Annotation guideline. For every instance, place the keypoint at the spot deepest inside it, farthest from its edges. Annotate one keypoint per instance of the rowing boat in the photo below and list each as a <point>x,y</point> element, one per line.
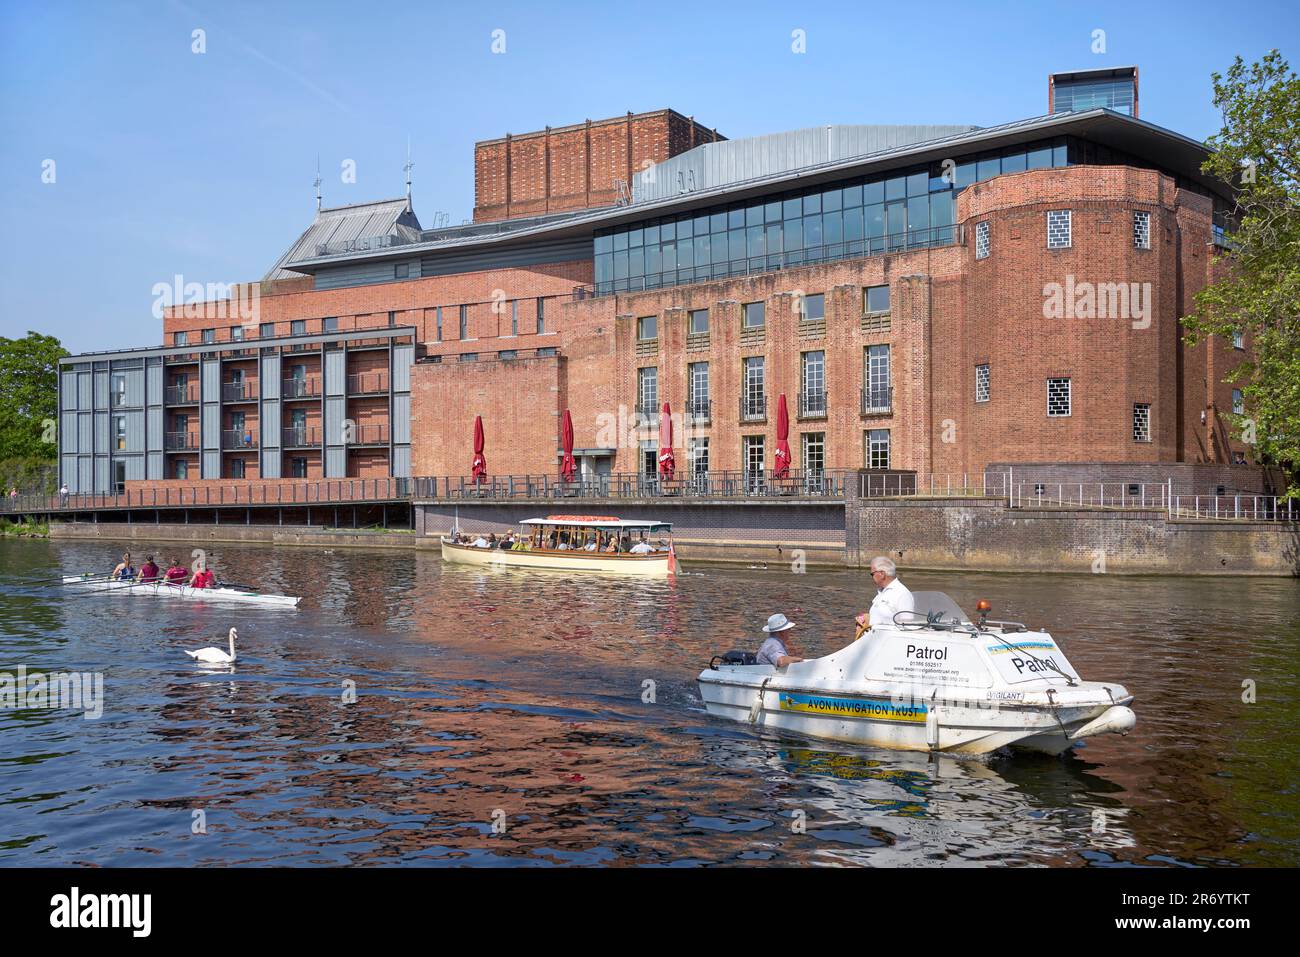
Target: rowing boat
<point>163,590</point>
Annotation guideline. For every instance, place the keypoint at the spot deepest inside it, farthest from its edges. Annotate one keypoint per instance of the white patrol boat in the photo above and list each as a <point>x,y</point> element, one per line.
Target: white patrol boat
<point>931,681</point>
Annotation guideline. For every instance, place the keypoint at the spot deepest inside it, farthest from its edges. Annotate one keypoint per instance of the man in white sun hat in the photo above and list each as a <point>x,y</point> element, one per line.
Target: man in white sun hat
<point>774,651</point>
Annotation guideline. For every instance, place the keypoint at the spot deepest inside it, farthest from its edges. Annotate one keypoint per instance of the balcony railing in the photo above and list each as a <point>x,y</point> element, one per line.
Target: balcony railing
<point>180,441</point>
<point>367,435</point>
<point>238,439</point>
<point>753,408</point>
<point>300,437</point>
<point>699,410</point>
<point>181,394</point>
<point>238,392</point>
<point>877,401</point>
<point>368,383</point>
<point>720,484</point>
<point>300,388</point>
<point>812,405</point>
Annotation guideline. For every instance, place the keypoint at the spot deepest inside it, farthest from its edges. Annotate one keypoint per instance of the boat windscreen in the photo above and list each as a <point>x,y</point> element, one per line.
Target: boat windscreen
<point>926,602</point>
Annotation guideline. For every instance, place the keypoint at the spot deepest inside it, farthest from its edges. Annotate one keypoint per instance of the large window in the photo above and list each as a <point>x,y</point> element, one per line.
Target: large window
<point>698,455</point>
<point>266,329</point>
<point>755,315</point>
<point>982,240</point>
<point>297,467</point>
<point>180,339</point>
<point>235,469</point>
<point>812,395</point>
<point>982,383</point>
<point>118,389</point>
<point>329,324</point>
<point>119,432</point>
<point>697,382</point>
<point>861,216</point>
<point>699,321</point>
<point>209,335</point>
<point>1058,229</point>
<point>814,452</point>
<point>1058,397</point>
<point>1142,229</point>
<point>876,393</point>
<point>647,389</point>
<point>1142,422</point>
<point>647,327</point>
<point>755,450</point>
<point>297,327</point>
<point>753,399</point>
<point>876,448</point>
<point>875,299</point>
<point>813,308</point>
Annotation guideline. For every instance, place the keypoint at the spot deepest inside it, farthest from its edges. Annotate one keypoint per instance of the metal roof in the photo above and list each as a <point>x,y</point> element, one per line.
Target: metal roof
<point>1163,147</point>
<point>358,224</point>
<point>711,165</point>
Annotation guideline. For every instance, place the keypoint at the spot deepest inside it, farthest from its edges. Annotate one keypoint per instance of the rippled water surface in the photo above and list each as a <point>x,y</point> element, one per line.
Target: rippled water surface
<point>515,698</point>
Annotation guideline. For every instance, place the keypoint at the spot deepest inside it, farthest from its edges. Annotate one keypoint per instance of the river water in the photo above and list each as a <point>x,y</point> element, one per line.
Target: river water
<point>500,719</point>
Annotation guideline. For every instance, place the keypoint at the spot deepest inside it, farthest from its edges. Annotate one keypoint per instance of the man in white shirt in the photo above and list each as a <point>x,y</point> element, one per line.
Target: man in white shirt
<point>892,595</point>
<point>480,542</point>
<point>642,548</point>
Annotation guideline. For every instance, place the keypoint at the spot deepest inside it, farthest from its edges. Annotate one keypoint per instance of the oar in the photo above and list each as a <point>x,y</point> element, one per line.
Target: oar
<point>57,581</point>
<point>100,591</point>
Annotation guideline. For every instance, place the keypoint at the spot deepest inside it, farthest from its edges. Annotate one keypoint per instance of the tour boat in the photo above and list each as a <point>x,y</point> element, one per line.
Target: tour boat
<point>557,542</point>
<point>931,681</point>
<point>226,593</point>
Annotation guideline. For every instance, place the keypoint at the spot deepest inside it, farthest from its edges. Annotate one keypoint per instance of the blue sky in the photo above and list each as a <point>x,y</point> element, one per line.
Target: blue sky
<point>168,161</point>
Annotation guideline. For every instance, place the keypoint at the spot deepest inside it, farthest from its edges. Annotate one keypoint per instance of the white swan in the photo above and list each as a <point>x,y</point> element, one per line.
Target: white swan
<point>215,655</point>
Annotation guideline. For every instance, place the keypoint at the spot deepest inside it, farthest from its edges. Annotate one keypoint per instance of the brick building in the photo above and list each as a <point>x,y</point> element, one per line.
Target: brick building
<point>935,298</point>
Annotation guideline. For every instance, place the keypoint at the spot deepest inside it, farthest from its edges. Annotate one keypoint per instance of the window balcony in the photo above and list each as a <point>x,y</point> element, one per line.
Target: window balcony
<point>878,401</point>
<point>181,441</point>
<point>368,383</point>
<point>369,435</point>
<point>234,439</point>
<point>300,437</point>
<point>238,392</point>
<point>753,407</point>
<point>649,409</point>
<point>181,395</point>
<point>300,388</point>
<point>812,405</point>
<point>699,410</point>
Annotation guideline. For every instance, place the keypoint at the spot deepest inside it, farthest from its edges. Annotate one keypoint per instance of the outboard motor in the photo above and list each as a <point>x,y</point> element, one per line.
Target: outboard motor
<point>734,657</point>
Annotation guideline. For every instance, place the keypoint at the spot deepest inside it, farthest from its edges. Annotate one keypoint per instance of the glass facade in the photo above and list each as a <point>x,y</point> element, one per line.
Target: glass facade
<point>1111,93</point>
<point>863,216</point>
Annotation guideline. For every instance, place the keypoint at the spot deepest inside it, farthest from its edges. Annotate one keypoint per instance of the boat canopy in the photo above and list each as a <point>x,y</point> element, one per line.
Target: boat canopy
<point>601,521</point>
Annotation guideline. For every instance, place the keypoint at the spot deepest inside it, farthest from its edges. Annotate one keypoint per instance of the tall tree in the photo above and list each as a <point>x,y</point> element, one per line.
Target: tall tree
<point>1258,151</point>
<point>29,369</point>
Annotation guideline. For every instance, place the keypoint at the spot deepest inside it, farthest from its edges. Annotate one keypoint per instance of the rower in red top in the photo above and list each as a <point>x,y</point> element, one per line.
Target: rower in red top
<point>203,579</point>
<point>176,573</point>
<point>149,572</point>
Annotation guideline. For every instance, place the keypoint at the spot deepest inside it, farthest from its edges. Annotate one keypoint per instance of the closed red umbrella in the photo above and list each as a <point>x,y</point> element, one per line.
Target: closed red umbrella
<point>667,465</point>
<point>782,469</point>
<point>568,467</point>
<point>480,464</point>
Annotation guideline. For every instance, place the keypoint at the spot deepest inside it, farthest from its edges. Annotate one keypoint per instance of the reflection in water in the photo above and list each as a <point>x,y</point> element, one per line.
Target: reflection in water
<point>501,717</point>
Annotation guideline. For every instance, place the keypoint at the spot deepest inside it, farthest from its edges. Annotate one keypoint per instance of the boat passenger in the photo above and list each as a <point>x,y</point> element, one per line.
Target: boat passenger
<point>203,578</point>
<point>492,540</point>
<point>773,651</point>
<point>149,572</point>
<point>590,546</point>
<point>892,595</point>
<point>612,546</point>
<point>176,573</point>
<point>641,548</point>
<point>124,571</point>
<point>481,542</point>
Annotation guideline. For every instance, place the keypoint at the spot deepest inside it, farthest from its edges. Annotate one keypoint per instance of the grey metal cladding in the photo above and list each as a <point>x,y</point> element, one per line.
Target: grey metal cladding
<point>211,377</point>
<point>134,387</point>
<point>85,432</point>
<point>402,417</point>
<point>270,376</point>
<point>403,358</point>
<point>335,372</point>
<point>101,473</point>
<point>154,465</point>
<point>101,390</point>
<point>85,397</point>
<point>154,435</point>
<point>154,384</point>
<point>336,460</point>
<point>335,411</point>
<point>85,474</point>
<point>134,467</point>
<point>271,424</point>
<point>135,431</point>
<point>101,432</point>
<point>532,254</point>
<point>68,432</point>
<point>212,464</point>
<point>270,464</point>
<point>356,223</point>
<point>401,461</point>
<point>210,432</point>
<point>68,391</point>
<point>714,165</point>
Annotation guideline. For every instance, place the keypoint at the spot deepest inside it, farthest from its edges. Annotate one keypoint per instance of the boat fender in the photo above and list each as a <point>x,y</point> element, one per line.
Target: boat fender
<point>932,728</point>
<point>758,701</point>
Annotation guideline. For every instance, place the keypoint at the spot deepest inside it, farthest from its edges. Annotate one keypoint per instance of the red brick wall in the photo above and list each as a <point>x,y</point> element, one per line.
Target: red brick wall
<point>575,167</point>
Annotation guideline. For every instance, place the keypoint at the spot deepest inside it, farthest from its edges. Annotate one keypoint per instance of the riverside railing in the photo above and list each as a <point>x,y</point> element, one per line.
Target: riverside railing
<point>704,485</point>
<point>1140,496</point>
<point>221,494</point>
